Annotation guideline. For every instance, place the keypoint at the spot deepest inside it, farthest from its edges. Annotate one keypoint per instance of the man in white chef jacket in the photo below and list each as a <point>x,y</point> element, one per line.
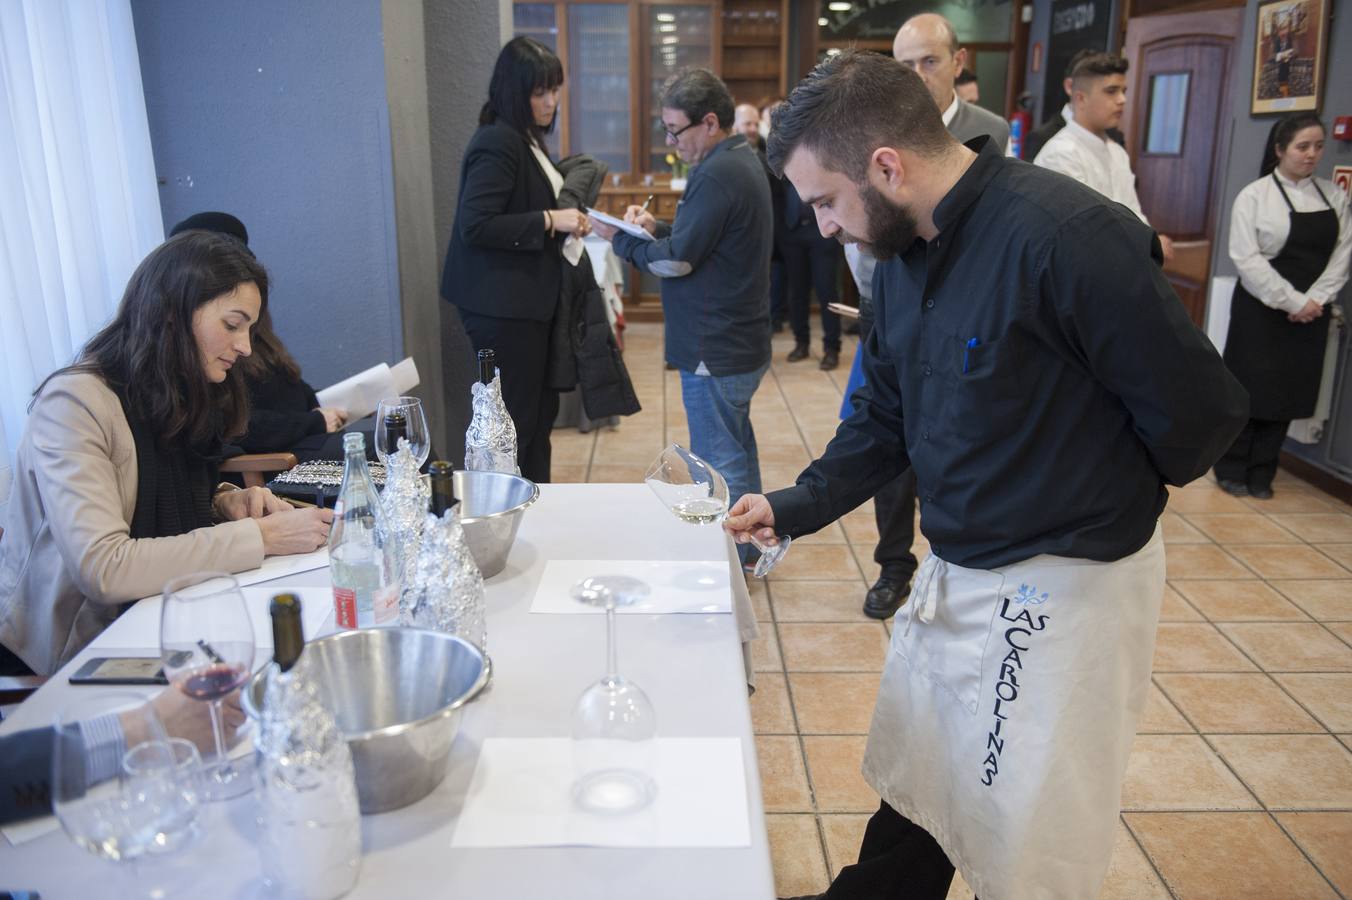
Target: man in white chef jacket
<point>1083,150</point>
<point>1026,360</point>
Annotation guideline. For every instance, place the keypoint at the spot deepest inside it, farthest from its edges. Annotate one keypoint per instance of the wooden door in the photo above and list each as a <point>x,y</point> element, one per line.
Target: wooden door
<point>1178,133</point>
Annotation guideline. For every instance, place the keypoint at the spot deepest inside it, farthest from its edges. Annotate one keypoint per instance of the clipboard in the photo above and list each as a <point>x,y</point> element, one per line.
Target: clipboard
<point>627,227</point>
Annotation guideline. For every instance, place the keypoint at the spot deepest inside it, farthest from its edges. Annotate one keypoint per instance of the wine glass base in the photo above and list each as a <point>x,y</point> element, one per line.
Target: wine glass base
<point>771,555</point>
<point>614,791</point>
<point>228,778</point>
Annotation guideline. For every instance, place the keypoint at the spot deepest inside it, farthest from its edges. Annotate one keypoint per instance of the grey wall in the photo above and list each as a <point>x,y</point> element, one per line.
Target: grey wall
<point>1248,135</point>
<point>276,112</point>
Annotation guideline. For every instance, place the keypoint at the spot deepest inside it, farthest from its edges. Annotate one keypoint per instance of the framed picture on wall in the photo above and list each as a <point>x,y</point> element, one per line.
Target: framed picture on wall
<point>1288,58</point>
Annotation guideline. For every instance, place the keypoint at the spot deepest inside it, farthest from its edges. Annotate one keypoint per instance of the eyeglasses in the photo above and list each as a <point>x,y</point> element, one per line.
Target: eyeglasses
<point>673,135</point>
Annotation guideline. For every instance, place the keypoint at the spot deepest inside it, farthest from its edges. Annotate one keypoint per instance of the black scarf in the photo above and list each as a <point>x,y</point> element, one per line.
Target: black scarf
<point>175,481</point>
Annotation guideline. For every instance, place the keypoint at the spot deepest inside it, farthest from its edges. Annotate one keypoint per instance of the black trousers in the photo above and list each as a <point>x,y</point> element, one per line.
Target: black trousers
<point>811,260</point>
<point>1252,458</point>
<point>894,511</point>
<point>898,860</point>
<point>778,312</point>
<point>522,348</point>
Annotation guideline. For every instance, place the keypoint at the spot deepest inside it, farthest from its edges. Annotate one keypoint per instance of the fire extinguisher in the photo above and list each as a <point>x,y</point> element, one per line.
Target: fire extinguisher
<point>1019,125</point>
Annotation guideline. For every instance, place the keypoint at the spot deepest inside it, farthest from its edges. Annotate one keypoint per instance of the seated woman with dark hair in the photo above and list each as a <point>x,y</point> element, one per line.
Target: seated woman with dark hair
<point>115,487</point>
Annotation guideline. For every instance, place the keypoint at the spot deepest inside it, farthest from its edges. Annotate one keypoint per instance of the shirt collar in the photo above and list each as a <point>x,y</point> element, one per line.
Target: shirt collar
<point>725,144</point>
<point>1288,182</point>
<point>952,111</point>
<point>1068,113</point>
<point>1084,135</point>
<point>989,159</point>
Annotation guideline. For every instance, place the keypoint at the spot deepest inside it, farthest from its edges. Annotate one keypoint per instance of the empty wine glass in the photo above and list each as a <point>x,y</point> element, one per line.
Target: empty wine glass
<point>207,645</point>
<point>99,807</point>
<point>614,724</point>
<point>398,417</point>
<point>696,493</point>
<point>148,766</point>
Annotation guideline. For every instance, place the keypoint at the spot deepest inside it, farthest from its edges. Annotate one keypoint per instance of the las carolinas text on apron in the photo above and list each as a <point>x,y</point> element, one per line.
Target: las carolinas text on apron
<point>1019,640</point>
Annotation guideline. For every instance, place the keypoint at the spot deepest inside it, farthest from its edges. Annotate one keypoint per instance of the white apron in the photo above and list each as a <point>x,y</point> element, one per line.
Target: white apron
<point>1007,709</point>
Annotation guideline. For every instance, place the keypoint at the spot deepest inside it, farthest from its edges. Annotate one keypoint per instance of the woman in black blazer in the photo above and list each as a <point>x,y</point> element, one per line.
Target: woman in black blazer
<point>505,262</point>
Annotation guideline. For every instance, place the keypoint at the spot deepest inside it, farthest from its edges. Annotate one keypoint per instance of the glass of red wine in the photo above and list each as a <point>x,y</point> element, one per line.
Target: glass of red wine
<point>207,646</point>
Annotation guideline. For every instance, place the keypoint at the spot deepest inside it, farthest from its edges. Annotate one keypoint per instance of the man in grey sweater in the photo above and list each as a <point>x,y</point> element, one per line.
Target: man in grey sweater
<point>714,262</point>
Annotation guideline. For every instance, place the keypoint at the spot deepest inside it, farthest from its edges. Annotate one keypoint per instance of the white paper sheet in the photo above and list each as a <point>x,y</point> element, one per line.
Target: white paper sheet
<point>361,393</point>
<point>679,586</point>
<point>521,796</point>
<point>140,625</point>
<point>626,227</point>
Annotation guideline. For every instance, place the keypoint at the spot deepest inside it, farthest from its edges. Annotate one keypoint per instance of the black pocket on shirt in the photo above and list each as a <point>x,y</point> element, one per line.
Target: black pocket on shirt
<point>988,397</point>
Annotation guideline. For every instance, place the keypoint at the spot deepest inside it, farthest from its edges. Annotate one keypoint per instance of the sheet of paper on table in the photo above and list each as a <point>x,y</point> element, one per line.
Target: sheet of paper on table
<point>361,393</point>
<point>140,625</point>
<point>521,796</point>
<point>626,227</point>
<point>677,586</point>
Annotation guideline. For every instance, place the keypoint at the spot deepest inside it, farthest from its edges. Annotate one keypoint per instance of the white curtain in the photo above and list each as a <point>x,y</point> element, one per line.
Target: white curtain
<point>79,207</point>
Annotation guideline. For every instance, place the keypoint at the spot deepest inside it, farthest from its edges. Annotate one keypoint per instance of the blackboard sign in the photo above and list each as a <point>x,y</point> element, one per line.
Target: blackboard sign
<point>1076,25</point>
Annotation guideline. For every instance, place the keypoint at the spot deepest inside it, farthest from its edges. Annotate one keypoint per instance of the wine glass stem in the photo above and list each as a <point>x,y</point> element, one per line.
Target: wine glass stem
<point>759,545</point>
<point>216,732</point>
<point>612,663</point>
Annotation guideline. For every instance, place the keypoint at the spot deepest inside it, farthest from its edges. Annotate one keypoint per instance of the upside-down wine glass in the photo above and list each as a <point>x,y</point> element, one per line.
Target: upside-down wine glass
<point>696,493</point>
<point>207,646</point>
<point>614,724</point>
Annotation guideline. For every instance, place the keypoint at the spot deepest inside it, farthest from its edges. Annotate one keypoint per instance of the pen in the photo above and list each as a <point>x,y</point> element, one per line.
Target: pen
<point>644,207</point>
<point>972,344</point>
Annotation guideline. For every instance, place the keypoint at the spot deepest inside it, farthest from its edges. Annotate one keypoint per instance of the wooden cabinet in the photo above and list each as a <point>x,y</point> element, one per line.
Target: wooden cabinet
<point>755,49</point>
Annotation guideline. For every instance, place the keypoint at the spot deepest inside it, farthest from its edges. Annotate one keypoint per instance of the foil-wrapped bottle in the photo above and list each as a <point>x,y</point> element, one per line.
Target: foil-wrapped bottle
<point>309,817</point>
<point>446,590</point>
<point>490,440</point>
<point>404,501</point>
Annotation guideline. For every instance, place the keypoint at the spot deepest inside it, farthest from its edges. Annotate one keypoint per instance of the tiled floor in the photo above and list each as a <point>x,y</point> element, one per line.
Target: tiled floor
<point>1240,784</point>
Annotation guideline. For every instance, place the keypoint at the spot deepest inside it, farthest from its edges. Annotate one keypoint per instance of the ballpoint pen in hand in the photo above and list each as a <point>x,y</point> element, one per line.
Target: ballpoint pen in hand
<point>644,207</point>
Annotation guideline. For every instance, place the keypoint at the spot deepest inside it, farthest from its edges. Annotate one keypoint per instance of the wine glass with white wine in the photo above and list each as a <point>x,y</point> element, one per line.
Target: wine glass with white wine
<point>696,493</point>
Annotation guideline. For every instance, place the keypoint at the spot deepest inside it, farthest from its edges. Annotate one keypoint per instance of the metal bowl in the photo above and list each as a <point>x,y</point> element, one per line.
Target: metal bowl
<point>491,506</point>
<point>396,694</point>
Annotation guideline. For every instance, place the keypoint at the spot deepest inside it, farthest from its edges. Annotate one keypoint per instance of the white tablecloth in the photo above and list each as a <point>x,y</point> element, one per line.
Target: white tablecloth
<point>692,667</point>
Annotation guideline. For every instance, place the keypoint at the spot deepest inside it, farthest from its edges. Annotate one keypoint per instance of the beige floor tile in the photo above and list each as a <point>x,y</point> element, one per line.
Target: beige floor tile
<point>1204,500</point>
<point>818,601</point>
<point>760,599</point>
<point>775,475</point>
<point>1227,856</point>
<point>1325,600</point>
<point>1240,704</point>
<point>1178,530</point>
<point>1241,528</point>
<point>1161,716</point>
<point>1327,695</point>
<point>783,778</point>
<point>1189,647</point>
<point>1290,647</point>
<point>783,454</point>
<point>618,474</point>
<point>796,854</point>
<point>1339,553</point>
<point>1130,875</point>
<point>1176,609</point>
<point>765,651</point>
<point>817,562</point>
<point>1176,772</point>
<point>1291,771</point>
<point>844,832</point>
<point>833,765</point>
<point>569,452</point>
<point>1184,561</point>
<point>834,702</point>
<point>1287,561</point>
<point>832,534</point>
<point>567,474</point>
<point>1293,501</point>
<point>862,531</point>
<point>1342,630</point>
<point>1239,601</point>
<point>833,647</point>
<point>1327,838</point>
<point>771,712</point>
<point>1317,528</point>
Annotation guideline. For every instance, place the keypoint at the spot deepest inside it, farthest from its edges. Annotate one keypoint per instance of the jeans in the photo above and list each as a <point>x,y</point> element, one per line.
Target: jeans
<point>718,411</point>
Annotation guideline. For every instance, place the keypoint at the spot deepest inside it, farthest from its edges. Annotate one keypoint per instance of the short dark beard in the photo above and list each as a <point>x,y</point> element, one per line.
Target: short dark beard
<point>893,227</point>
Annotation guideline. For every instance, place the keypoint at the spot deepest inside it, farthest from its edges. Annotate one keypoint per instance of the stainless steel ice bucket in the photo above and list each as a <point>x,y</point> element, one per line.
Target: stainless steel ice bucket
<point>396,694</point>
<point>491,506</point>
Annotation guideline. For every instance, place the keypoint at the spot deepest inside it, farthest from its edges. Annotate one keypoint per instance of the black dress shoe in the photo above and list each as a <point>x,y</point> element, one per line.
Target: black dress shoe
<point>799,351</point>
<point>886,596</point>
<point>830,359</point>
<point>1260,493</point>
<point>1233,488</point>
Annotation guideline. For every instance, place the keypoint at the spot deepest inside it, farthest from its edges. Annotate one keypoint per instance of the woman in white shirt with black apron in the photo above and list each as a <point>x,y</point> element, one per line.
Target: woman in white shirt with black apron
<point>1290,241</point>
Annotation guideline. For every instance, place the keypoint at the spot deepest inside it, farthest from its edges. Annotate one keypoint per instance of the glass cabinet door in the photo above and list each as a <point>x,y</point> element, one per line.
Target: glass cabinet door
<point>537,20</point>
<point>598,82</point>
<point>674,36</point>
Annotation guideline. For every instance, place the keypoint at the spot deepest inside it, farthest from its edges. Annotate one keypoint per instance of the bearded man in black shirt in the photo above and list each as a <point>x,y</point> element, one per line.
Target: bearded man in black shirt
<point>1033,366</point>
